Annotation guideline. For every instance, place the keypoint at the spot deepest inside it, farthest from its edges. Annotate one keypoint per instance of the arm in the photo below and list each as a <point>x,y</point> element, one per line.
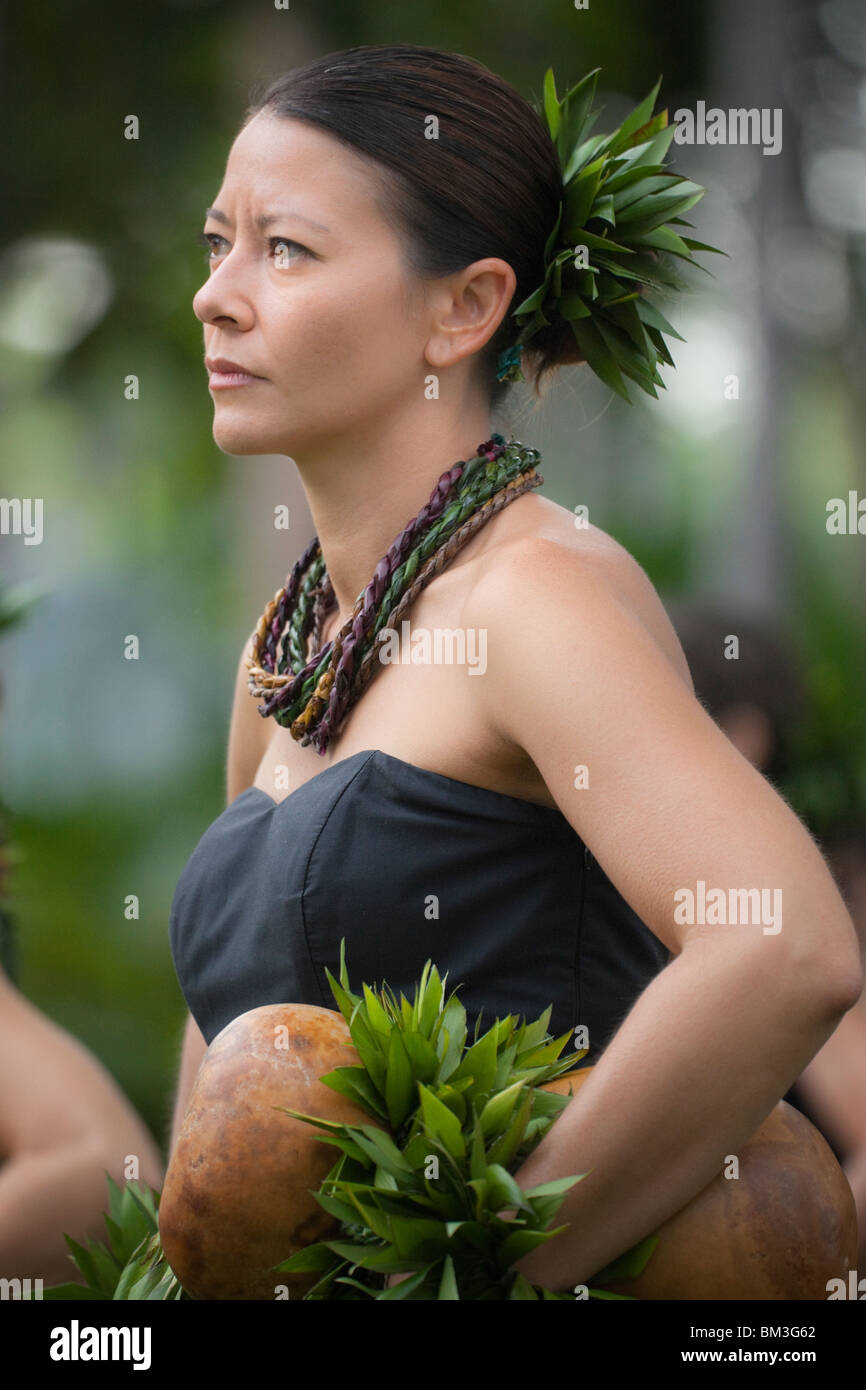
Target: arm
<point>248,739</point>
<point>719,1035</point>
<point>834,1084</point>
<point>64,1121</point>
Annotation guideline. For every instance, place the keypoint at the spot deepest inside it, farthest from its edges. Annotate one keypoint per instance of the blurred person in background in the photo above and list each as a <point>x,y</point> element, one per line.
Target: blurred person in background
<point>757,698</point>
<point>64,1121</point>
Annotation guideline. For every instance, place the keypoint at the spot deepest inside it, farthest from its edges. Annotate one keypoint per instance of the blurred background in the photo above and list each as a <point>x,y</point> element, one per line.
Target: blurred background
<point>112,769</point>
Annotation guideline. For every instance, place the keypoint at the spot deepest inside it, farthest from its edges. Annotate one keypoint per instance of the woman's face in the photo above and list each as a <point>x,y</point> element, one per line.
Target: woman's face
<point>316,304</point>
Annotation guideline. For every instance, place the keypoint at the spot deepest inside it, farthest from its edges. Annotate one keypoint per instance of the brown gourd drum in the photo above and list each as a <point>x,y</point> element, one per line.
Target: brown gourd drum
<point>238,1194</point>
<point>780,1230</point>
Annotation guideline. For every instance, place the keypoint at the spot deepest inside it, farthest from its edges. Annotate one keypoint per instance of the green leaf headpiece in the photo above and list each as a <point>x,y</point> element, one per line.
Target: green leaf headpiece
<point>616,218</point>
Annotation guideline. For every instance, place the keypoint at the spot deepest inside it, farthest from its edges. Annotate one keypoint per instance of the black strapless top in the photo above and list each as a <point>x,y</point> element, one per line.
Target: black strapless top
<point>405,864</point>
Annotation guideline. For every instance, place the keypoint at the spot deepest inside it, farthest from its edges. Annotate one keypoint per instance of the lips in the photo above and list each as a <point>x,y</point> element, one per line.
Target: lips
<point>225,367</point>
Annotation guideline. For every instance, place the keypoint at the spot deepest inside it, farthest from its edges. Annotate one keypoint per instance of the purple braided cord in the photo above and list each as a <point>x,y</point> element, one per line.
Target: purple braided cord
<point>365,616</point>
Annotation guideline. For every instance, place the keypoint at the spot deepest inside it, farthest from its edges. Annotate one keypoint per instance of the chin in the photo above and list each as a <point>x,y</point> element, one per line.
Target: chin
<point>238,438</point>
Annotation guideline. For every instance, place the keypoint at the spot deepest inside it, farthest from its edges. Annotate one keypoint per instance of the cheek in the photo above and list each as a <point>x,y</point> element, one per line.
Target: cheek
<point>354,325</point>
<point>367,313</point>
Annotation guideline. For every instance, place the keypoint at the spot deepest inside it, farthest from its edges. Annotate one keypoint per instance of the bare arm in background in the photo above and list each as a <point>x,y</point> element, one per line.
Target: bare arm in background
<point>63,1121</point>
<point>834,1085</point>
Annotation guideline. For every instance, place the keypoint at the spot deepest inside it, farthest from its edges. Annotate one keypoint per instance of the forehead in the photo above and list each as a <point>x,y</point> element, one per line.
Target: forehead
<point>276,156</point>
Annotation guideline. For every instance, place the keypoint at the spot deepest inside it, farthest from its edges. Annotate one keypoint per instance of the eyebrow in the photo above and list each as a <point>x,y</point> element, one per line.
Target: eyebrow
<point>267,219</point>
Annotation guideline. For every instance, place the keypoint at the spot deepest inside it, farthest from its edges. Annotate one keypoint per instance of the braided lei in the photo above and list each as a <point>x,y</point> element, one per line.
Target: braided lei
<point>312,695</point>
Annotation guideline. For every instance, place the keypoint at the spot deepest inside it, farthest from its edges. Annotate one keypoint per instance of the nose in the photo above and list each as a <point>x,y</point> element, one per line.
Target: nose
<point>222,297</point>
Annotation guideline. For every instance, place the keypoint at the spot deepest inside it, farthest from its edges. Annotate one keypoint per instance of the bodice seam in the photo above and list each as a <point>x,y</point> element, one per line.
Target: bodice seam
<point>327,1003</point>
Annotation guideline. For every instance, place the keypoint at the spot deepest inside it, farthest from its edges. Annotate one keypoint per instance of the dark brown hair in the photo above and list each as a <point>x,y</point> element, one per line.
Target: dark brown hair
<point>490,184</point>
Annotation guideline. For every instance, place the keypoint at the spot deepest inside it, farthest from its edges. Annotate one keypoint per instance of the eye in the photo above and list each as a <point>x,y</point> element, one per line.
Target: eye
<point>207,239</point>
<point>281,259</point>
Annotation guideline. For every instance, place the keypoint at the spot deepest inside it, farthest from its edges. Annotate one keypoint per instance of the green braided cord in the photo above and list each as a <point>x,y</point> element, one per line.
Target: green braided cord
<point>294,640</point>
<point>481,479</point>
<point>497,472</point>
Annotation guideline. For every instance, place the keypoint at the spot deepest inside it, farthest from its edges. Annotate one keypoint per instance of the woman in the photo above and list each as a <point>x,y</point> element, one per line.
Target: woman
<point>532,830</point>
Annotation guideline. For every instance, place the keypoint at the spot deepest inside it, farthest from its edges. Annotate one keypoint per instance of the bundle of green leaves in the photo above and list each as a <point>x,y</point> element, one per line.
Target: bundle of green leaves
<point>612,240</point>
<point>426,1196</point>
<point>431,1195</point>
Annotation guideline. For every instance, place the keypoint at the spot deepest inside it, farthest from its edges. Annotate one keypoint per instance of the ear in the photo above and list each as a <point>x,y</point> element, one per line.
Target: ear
<point>466,309</point>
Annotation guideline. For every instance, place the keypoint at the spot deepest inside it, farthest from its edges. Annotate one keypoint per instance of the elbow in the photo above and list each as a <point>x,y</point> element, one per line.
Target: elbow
<point>849,987</point>
<point>834,973</point>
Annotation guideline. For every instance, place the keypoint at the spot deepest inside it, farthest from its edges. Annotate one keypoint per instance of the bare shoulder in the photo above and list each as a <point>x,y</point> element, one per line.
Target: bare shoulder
<point>585,676</point>
<point>538,543</point>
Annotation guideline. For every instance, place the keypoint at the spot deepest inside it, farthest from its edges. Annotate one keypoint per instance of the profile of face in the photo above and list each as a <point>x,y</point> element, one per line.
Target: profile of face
<point>315,302</point>
<point>308,291</point>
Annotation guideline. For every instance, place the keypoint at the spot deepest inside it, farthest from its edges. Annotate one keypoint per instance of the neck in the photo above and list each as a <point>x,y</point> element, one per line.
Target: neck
<point>363,489</point>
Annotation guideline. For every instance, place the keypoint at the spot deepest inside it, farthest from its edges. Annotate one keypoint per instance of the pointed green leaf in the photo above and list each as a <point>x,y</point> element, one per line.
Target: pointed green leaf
<point>479,1062</point>
<point>579,198</point>
<point>377,1018</point>
<point>551,240</point>
<point>605,244</point>
<point>477,1155</point>
<point>369,1050</point>
<point>453,1021</point>
<point>400,1084</point>
<point>635,121</point>
<point>499,1108</point>
<point>634,225</point>
<point>306,1261</point>
<point>558,1185</point>
<point>702,246</point>
<point>584,154</point>
<point>594,349</point>
<point>441,1123</point>
<point>356,1085</point>
<point>653,315</point>
<point>382,1149</point>
<point>603,209</point>
<point>664,239</point>
<point>507,1145</point>
<point>346,1001</point>
<point>629,1265</point>
<point>419,1239</point>
<point>551,104</point>
<point>376,1221</point>
<point>454,1099</point>
<point>422,1056</point>
<point>448,1283</point>
<point>430,1002</point>
<point>637,173</point>
<point>515,1246</point>
<point>502,1190</point>
<point>575,119</point>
